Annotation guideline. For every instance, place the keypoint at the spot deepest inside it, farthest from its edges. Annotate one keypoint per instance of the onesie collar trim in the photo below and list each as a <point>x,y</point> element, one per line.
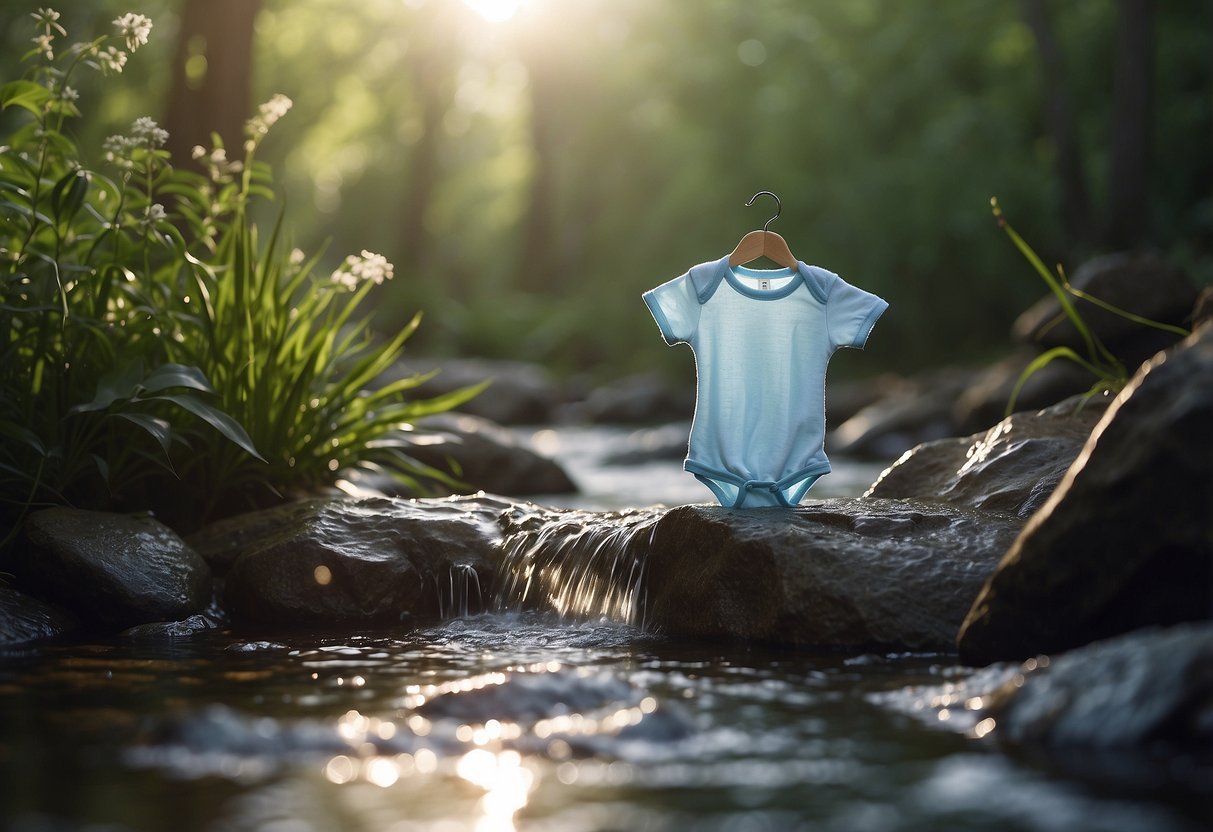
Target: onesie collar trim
<point>707,277</point>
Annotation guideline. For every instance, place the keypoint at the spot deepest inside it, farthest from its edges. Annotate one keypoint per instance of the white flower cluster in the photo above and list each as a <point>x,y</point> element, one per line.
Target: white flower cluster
<point>47,21</point>
<point>217,164</point>
<point>111,60</point>
<point>134,28</point>
<point>267,114</point>
<point>359,268</point>
<point>145,133</point>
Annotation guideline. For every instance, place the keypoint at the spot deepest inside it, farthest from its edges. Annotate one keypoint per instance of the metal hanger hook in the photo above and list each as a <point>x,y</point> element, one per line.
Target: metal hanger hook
<point>778,206</point>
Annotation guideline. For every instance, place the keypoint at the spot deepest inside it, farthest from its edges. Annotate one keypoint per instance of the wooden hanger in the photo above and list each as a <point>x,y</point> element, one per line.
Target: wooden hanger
<point>763,243</point>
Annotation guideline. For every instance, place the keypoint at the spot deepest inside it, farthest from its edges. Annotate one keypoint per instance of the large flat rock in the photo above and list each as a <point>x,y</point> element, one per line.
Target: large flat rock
<point>847,573</point>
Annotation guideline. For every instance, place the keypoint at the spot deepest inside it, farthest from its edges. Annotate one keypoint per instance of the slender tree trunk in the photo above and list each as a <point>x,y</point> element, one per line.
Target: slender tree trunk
<point>537,259</point>
<point>212,76</point>
<point>1128,215</point>
<point>432,64</point>
<point>1060,122</point>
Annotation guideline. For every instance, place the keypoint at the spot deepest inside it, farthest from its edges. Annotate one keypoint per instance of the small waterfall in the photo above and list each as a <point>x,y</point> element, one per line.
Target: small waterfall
<point>579,564</point>
<point>459,593</point>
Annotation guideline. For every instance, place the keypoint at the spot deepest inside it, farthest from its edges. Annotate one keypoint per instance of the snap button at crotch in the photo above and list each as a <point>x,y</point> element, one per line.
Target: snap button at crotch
<point>759,485</point>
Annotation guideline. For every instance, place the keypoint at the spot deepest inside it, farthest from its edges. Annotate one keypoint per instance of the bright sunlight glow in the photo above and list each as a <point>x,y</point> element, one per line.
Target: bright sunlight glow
<point>495,11</point>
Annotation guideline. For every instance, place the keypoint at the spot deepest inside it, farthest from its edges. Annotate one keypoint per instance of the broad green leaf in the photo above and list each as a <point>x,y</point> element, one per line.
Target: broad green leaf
<point>120,383</point>
<point>159,428</point>
<point>216,418</point>
<point>23,435</point>
<point>175,375</point>
<point>26,94</point>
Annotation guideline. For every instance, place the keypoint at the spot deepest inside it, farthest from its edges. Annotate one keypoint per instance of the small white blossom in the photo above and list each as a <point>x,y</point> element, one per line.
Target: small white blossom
<point>267,114</point>
<point>117,149</point>
<point>45,44</point>
<point>297,257</point>
<point>111,60</point>
<point>135,28</point>
<point>147,132</point>
<point>69,94</point>
<point>359,268</point>
<point>47,19</point>
<point>153,214</point>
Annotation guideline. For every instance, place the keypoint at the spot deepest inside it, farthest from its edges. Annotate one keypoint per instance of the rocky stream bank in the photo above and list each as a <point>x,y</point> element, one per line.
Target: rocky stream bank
<point>1088,521</point>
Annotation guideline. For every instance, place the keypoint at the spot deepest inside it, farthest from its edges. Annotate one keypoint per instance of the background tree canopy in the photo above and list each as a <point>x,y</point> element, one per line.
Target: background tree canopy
<point>530,177</point>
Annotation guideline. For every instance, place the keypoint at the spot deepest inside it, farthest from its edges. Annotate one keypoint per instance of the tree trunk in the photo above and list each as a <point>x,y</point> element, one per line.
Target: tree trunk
<point>1059,120</point>
<point>1128,214</point>
<point>212,76</point>
<point>539,258</point>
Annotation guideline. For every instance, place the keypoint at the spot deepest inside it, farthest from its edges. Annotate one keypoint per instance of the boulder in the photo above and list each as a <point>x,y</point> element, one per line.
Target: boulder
<point>519,393</point>
<point>1150,686</point>
<point>112,570</point>
<point>850,573</point>
<point>1139,283</point>
<point>845,398</point>
<point>483,456</point>
<point>1126,539</point>
<point>643,399</point>
<point>1013,467</point>
<point>24,619</point>
<point>920,411</point>
<point>359,562</point>
<point>984,402</point>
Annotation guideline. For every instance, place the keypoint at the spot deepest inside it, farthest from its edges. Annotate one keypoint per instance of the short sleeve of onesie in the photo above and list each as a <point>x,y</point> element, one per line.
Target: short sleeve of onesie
<point>675,307</point>
<point>851,313</point>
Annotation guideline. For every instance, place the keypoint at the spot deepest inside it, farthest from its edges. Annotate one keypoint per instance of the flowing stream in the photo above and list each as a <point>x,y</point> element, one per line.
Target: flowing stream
<point>539,704</point>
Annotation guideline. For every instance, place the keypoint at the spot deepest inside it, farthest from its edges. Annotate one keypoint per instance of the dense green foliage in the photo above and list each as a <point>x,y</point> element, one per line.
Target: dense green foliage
<point>533,176</point>
<point>153,352</point>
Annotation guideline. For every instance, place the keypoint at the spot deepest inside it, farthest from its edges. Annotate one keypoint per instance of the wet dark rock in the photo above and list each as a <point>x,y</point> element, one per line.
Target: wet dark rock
<point>644,399</point>
<point>24,619</point>
<point>172,629</point>
<point>918,412</point>
<point>484,456</point>
<point>1150,686</point>
<point>664,443</point>
<point>1142,284</point>
<point>353,561</point>
<point>112,570</point>
<point>1013,467</point>
<point>984,402</point>
<point>519,393</point>
<point>1126,540</point>
<point>853,573</point>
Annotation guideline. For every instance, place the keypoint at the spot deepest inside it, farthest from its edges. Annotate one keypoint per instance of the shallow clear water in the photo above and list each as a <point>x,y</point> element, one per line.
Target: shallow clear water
<point>512,721</point>
<point>522,721</point>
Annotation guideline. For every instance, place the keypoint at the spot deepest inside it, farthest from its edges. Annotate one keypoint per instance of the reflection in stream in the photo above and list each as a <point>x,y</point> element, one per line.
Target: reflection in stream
<point>510,721</point>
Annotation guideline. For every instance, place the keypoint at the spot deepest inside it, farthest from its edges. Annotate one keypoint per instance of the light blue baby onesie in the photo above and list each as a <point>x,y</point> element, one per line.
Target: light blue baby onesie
<point>762,340</point>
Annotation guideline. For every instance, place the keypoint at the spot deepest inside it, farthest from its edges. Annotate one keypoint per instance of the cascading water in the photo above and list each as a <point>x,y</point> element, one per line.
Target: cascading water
<point>459,592</point>
<point>579,565</point>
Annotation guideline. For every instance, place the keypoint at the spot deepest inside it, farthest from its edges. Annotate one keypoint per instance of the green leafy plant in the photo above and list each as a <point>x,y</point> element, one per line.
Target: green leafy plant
<point>151,348</point>
<point>1110,372</point>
